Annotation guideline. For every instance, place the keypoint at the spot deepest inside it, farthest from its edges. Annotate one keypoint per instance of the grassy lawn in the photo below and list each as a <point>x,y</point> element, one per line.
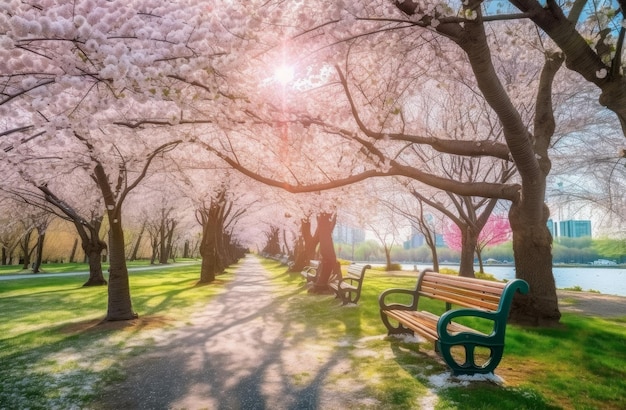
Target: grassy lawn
<point>73,267</point>
<point>55,354</point>
<point>580,365</point>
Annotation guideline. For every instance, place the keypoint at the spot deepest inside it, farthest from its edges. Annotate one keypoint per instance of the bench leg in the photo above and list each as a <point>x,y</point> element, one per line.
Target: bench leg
<point>470,367</point>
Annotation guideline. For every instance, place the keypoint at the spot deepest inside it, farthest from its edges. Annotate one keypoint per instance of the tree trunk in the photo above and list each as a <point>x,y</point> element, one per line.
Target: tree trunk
<point>468,247</point>
<point>388,257</point>
<point>532,245</point>
<point>208,252</point>
<point>186,249</point>
<point>39,254</point>
<point>133,255</point>
<point>94,252</point>
<point>480,260</point>
<point>73,252</point>
<point>325,225</point>
<point>119,304</point>
<point>25,245</point>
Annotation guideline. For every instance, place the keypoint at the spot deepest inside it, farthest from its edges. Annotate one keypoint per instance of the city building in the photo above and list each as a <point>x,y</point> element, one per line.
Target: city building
<point>347,234</point>
<point>575,229</point>
<point>570,228</point>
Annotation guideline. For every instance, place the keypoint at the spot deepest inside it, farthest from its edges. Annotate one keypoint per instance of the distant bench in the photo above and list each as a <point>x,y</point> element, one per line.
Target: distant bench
<point>348,287</point>
<point>480,298</point>
<point>309,272</point>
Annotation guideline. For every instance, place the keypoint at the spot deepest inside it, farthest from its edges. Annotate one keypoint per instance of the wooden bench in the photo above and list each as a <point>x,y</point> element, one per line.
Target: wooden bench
<point>309,272</point>
<point>484,299</point>
<point>348,287</point>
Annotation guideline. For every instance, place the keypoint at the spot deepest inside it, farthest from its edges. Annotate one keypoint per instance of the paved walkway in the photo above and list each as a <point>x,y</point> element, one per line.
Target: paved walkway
<point>240,353</point>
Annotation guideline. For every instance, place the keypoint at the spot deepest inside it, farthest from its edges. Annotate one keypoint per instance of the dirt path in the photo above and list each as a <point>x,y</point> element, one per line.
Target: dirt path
<point>592,304</point>
<point>242,352</point>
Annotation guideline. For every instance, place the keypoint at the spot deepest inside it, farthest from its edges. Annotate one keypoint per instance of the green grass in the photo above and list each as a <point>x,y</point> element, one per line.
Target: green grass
<point>54,354</point>
<point>53,351</point>
<point>73,267</point>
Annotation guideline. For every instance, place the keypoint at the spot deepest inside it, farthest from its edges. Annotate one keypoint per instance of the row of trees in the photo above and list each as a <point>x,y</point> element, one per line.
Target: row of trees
<point>463,98</point>
<point>579,251</point>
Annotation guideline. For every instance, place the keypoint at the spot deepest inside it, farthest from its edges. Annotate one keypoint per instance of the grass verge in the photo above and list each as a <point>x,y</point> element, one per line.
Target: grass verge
<point>55,351</point>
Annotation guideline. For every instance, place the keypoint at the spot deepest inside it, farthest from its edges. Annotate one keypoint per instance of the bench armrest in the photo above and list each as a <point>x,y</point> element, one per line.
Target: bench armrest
<point>497,334</point>
<point>384,305</point>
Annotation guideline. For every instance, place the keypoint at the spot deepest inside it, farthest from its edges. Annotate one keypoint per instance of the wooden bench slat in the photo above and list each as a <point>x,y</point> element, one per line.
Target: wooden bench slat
<point>462,300</point>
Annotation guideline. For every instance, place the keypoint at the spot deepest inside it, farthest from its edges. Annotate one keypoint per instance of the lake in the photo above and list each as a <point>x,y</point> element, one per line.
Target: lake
<point>610,281</point>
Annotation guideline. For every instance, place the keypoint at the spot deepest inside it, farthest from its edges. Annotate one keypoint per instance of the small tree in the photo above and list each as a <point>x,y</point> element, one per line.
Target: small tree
<point>495,231</point>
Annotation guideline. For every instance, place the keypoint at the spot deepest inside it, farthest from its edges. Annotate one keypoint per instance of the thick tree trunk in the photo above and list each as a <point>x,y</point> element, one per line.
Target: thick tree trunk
<point>325,225</point>
<point>532,245</point>
<point>119,304</point>
<point>94,252</point>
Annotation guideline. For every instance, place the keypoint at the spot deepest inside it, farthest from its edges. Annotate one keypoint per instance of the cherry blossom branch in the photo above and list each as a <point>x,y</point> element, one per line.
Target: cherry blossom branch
<point>457,147</point>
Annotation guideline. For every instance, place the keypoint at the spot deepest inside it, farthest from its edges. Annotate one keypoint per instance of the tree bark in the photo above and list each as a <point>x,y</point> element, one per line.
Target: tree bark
<point>532,244</point>
<point>325,224</point>
<point>468,247</point>
<point>73,252</point>
<point>39,255</point>
<point>133,255</point>
<point>119,302</point>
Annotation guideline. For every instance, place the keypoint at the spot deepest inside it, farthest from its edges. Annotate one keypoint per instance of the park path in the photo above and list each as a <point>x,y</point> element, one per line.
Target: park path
<point>235,355</point>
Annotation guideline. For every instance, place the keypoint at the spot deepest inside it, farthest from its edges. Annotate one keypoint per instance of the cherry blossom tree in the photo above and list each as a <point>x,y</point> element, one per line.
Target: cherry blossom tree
<point>495,231</point>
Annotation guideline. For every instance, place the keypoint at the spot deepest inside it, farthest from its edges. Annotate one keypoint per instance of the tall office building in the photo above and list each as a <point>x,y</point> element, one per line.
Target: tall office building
<point>575,229</point>
<point>347,234</point>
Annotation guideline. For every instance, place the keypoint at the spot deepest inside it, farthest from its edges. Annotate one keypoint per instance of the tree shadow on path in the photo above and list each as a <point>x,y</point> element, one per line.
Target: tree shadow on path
<point>241,352</point>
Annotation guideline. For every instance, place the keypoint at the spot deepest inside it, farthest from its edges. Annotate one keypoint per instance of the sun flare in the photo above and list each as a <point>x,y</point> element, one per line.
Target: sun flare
<point>284,74</point>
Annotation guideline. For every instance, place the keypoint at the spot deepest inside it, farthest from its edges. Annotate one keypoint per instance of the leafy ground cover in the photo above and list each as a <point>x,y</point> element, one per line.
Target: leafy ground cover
<point>55,353</point>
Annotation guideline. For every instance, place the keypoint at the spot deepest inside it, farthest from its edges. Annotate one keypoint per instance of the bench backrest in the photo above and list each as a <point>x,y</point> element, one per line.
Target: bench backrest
<point>457,290</point>
<point>356,270</point>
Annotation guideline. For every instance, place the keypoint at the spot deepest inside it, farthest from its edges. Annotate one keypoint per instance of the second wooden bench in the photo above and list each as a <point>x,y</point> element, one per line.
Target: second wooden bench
<point>348,287</point>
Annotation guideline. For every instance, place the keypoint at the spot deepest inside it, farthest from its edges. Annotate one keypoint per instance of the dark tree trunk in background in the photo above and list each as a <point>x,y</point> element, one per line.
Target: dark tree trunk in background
<point>133,254</point>
<point>39,252</point>
<point>468,247</point>
<point>186,249</point>
<point>25,247</point>
<point>73,252</point>
<point>307,244</point>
